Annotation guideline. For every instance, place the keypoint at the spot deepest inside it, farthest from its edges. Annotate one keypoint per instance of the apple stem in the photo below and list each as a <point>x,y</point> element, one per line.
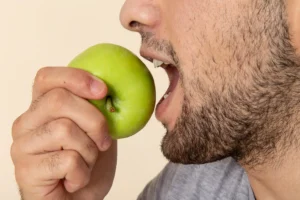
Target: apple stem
<point>109,105</point>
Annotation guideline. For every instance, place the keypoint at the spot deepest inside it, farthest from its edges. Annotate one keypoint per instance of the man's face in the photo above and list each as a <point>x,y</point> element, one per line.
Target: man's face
<point>233,62</point>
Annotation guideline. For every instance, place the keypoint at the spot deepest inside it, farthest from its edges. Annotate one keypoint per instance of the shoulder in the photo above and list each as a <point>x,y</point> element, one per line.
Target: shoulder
<point>224,179</point>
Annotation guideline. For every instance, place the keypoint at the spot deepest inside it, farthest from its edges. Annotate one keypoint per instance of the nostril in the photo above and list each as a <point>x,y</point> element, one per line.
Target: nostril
<point>134,24</point>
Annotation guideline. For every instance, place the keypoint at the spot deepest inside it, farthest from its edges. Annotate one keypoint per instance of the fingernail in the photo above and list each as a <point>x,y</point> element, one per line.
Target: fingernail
<point>96,86</point>
<point>106,143</point>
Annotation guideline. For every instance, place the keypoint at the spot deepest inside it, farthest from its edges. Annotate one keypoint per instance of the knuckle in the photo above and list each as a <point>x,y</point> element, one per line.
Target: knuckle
<point>14,150</point>
<point>64,128</point>
<point>41,75</point>
<point>57,98</point>
<point>73,160</point>
<point>15,126</point>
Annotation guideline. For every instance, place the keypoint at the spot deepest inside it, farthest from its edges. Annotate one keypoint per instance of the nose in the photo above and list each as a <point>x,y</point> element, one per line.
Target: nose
<point>137,15</point>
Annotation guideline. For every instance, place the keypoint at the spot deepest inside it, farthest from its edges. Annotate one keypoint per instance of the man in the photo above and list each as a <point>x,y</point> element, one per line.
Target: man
<point>231,111</point>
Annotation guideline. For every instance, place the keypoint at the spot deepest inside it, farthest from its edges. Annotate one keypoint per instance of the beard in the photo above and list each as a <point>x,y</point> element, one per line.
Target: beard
<point>250,118</point>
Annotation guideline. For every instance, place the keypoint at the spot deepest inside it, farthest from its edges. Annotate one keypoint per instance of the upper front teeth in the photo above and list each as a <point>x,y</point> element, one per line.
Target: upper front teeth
<point>166,95</point>
<point>157,63</point>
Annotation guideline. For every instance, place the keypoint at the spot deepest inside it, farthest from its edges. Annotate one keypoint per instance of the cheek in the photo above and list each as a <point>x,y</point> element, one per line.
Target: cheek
<point>191,29</point>
<point>204,35</point>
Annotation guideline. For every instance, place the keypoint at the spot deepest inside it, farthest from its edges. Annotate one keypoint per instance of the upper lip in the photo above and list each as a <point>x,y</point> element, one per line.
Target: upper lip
<point>150,56</point>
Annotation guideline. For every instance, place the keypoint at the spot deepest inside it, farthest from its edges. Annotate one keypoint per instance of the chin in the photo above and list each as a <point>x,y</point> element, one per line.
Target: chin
<point>191,142</point>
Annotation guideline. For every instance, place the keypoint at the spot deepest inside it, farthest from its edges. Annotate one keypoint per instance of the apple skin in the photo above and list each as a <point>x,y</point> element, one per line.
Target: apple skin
<point>130,87</point>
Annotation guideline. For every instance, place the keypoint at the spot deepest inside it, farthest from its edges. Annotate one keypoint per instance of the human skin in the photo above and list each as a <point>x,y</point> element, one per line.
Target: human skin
<point>237,94</point>
<point>58,151</point>
<point>239,84</point>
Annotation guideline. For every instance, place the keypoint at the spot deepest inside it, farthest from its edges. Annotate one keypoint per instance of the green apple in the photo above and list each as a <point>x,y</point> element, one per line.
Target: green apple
<point>130,101</point>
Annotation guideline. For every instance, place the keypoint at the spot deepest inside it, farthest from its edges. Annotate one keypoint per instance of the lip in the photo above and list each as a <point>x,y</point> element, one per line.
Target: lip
<point>150,56</point>
<point>163,112</point>
<point>168,110</point>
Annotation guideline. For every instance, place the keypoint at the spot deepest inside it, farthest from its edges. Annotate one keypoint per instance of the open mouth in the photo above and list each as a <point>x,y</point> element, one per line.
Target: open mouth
<point>173,74</point>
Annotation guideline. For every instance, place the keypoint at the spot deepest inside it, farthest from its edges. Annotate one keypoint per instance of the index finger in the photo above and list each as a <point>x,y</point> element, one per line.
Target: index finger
<point>77,81</point>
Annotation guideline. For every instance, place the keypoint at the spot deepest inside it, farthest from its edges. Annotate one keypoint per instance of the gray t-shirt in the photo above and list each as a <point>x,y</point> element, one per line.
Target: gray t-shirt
<point>221,180</point>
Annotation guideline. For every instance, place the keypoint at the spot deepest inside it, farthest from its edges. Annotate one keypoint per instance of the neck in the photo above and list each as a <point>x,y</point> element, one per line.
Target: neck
<point>277,182</point>
<point>276,175</point>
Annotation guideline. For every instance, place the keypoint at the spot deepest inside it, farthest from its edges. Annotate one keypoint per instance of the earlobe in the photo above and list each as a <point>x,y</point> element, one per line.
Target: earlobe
<point>293,11</point>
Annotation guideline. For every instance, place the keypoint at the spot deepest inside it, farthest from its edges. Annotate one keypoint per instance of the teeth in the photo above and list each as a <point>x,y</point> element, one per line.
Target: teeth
<point>157,63</point>
<point>166,95</point>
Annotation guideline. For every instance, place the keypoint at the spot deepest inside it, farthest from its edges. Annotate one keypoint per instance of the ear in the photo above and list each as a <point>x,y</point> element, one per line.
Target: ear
<point>293,11</point>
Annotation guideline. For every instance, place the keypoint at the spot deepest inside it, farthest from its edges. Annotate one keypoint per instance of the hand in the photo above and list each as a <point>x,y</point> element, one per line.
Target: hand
<point>61,147</point>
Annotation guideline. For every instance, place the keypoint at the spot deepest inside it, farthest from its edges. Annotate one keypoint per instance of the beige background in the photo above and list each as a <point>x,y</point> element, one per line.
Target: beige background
<point>36,33</point>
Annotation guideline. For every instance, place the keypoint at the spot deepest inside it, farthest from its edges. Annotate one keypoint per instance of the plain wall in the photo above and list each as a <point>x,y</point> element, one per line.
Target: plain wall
<point>39,33</point>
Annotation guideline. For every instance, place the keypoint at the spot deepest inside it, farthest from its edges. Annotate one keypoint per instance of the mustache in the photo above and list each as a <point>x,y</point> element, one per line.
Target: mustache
<point>162,46</point>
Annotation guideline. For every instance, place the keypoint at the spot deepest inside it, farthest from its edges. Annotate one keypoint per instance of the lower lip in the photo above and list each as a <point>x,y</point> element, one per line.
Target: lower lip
<point>163,104</point>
